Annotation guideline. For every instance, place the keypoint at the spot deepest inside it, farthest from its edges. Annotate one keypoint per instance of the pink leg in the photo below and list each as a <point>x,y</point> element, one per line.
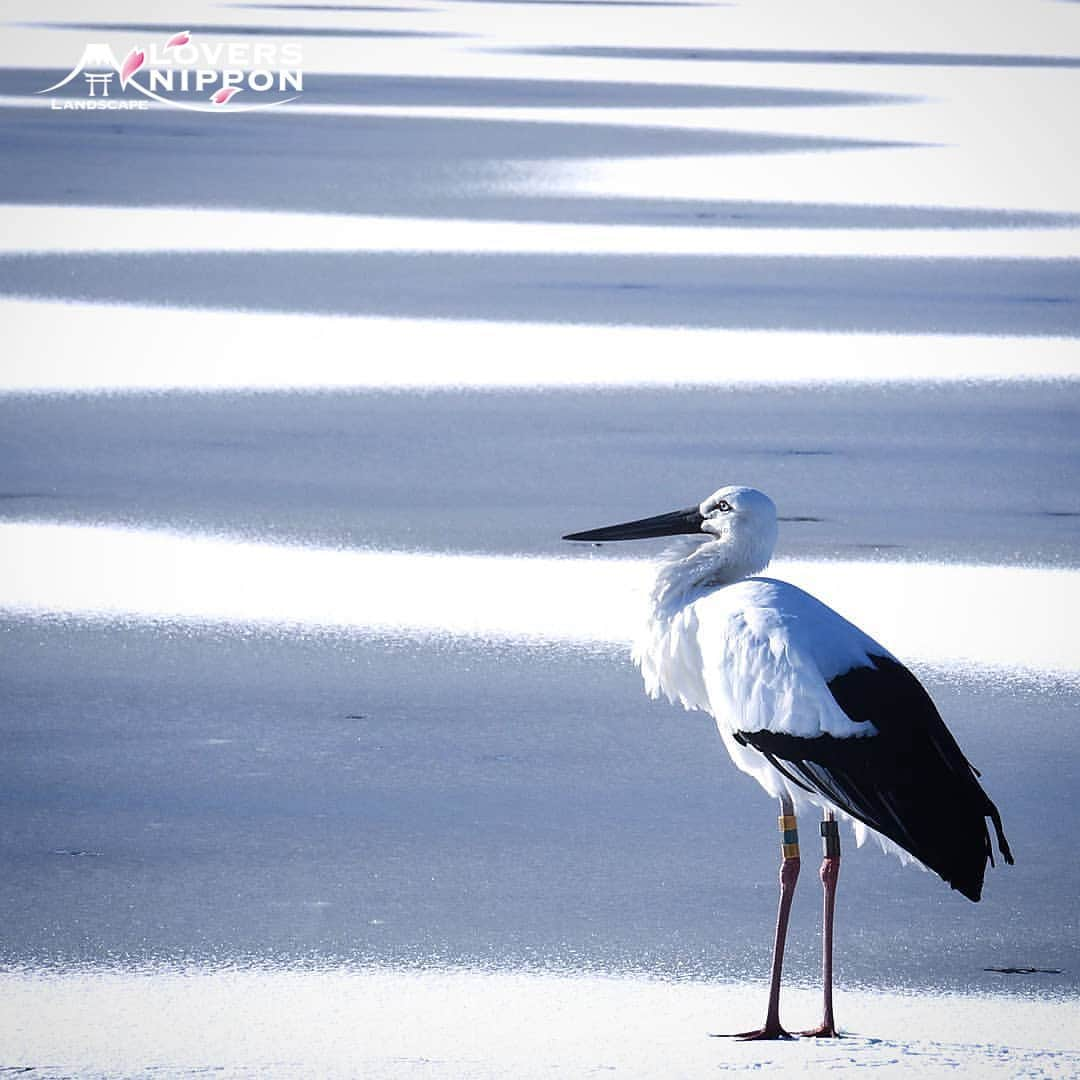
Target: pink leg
<point>830,873</point>
<point>789,875</point>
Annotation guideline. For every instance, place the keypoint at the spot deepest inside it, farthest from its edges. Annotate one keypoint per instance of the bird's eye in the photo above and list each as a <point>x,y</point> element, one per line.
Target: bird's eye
<point>723,505</point>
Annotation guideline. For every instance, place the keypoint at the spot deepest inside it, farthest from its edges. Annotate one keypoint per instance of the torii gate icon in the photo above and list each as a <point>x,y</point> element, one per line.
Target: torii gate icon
<point>98,55</point>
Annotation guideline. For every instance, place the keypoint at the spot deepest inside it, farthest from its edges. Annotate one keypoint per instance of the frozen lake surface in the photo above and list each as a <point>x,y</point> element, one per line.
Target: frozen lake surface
<point>318,741</point>
<point>511,472</point>
<point>236,796</point>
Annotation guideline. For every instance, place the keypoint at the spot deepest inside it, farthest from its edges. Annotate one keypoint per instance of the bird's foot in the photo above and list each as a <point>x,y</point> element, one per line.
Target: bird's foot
<point>769,1031</point>
<point>825,1030</point>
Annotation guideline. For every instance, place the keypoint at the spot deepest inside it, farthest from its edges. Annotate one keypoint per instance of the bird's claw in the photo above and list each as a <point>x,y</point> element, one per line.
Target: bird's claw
<point>770,1031</point>
<point>822,1031</point>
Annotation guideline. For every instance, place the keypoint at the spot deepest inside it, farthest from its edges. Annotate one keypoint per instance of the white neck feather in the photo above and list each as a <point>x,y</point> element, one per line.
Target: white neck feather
<point>695,566</point>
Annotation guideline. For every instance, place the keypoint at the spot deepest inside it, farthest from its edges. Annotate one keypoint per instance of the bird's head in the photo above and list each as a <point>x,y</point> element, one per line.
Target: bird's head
<point>740,516</point>
<point>739,521</point>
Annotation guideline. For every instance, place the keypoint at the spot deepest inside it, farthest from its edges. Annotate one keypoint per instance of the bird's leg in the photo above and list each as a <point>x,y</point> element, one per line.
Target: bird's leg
<point>789,875</point>
<point>830,873</point>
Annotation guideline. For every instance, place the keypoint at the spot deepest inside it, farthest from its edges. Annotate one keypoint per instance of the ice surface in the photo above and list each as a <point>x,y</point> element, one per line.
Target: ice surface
<point>909,295</point>
<point>981,474</point>
<point>245,795</point>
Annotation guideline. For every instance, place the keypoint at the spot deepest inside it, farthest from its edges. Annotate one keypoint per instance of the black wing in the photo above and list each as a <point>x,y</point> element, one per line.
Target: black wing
<point>910,782</point>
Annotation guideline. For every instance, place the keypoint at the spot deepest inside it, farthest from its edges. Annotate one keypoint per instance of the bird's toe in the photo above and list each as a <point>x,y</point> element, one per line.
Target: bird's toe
<point>770,1031</point>
<point>822,1031</point>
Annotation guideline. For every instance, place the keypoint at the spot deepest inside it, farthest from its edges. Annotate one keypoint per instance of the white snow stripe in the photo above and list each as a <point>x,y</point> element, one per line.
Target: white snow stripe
<point>484,1024</point>
<point>985,616</point>
<point>53,346</point>
<point>96,229</point>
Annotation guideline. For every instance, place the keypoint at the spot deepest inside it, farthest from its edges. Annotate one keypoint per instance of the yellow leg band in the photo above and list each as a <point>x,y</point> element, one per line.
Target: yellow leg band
<point>789,836</point>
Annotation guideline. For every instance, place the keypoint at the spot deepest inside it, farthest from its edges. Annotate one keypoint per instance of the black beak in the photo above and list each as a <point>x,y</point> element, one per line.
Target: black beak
<point>679,521</point>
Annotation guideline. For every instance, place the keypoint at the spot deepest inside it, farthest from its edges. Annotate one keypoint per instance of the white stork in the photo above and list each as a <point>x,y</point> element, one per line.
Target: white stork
<point>819,713</point>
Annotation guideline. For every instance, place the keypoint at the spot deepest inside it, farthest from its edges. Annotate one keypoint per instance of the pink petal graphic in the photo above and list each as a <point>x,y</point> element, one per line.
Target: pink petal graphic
<point>225,94</point>
<point>178,39</point>
<point>132,62</point>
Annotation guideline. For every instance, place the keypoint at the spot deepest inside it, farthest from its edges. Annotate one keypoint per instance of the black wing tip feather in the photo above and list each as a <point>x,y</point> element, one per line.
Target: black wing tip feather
<point>999,832</point>
<point>910,782</point>
<point>971,884</point>
<point>972,890</point>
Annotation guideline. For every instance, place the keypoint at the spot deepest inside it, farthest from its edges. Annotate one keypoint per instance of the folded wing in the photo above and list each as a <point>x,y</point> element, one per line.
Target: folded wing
<point>909,782</point>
